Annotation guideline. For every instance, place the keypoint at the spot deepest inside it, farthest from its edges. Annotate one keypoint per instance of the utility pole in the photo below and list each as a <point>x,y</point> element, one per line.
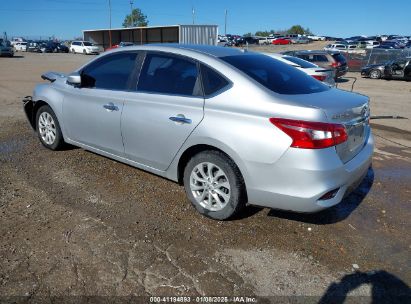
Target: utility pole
<point>132,19</point>
<point>109,31</point>
<point>225,23</point>
<point>193,13</point>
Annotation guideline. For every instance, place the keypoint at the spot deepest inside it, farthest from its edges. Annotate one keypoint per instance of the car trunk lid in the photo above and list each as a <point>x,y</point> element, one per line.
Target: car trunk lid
<point>346,108</point>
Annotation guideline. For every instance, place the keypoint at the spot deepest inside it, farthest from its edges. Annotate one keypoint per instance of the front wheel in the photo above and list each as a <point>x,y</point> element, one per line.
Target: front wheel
<point>48,128</point>
<point>214,185</point>
<point>375,74</point>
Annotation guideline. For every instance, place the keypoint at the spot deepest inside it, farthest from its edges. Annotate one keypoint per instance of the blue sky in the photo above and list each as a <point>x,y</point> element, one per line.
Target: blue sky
<point>67,18</point>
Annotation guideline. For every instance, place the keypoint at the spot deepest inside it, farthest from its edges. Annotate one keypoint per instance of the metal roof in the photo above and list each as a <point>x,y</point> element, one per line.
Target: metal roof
<point>149,27</point>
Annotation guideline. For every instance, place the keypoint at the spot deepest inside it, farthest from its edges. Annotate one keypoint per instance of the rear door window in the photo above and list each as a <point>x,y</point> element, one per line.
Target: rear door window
<point>169,74</point>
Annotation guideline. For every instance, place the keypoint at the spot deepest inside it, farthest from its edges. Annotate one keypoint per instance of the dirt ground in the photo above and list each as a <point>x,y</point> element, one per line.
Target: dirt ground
<point>77,224</point>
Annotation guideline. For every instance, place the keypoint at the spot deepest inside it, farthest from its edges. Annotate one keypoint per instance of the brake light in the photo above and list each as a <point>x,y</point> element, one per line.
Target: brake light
<point>335,64</point>
<point>311,135</point>
<point>320,77</point>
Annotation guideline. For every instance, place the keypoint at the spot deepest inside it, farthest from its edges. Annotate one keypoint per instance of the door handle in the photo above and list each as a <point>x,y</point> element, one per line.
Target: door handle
<point>110,107</point>
<point>180,119</point>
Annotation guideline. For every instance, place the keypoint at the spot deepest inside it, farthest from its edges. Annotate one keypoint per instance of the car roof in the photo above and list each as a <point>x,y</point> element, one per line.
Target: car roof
<point>214,51</point>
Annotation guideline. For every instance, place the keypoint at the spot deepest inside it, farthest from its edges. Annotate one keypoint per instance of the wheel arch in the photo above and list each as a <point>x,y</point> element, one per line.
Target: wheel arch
<point>197,148</point>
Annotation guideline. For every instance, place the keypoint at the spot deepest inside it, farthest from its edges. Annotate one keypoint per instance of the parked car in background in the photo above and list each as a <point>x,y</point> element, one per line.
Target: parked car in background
<point>297,144</point>
<point>45,47</point>
<point>300,40</point>
<point>84,47</point>
<point>335,46</point>
<point>6,49</point>
<point>281,41</point>
<point>321,74</point>
<point>316,38</point>
<point>393,69</point>
<point>263,41</point>
<point>372,44</point>
<point>388,44</point>
<point>246,40</point>
<point>325,59</point>
<point>57,47</point>
<point>124,44</point>
<point>20,46</point>
<point>33,47</point>
<point>15,40</point>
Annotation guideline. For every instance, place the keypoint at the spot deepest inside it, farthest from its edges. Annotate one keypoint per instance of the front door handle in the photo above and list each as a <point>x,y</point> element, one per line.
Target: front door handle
<point>180,119</point>
<point>110,107</point>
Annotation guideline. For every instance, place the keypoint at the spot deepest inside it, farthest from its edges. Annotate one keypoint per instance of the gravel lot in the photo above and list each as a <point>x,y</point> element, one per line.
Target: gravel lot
<point>77,224</point>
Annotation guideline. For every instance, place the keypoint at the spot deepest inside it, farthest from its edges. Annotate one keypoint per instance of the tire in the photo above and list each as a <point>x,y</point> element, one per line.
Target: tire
<point>84,52</point>
<point>48,128</point>
<point>375,74</point>
<point>213,201</point>
<point>72,50</point>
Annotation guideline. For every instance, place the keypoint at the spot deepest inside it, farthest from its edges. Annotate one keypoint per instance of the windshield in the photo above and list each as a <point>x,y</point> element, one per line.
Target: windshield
<point>301,62</point>
<point>87,43</point>
<point>275,75</point>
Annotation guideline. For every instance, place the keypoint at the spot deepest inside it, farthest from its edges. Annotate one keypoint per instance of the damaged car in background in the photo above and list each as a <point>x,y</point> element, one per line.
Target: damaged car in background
<point>233,127</point>
<point>393,69</point>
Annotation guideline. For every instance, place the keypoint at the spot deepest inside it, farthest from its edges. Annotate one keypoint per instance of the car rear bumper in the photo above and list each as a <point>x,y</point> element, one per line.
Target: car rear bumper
<point>301,177</point>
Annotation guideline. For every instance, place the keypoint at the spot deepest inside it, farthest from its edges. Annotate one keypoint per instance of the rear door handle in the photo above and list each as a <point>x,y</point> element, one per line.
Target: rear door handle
<point>110,107</point>
<point>180,119</point>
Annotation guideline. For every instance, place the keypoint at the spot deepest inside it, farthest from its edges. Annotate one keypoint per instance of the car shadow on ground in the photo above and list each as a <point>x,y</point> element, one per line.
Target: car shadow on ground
<point>334,214</point>
<point>385,288</point>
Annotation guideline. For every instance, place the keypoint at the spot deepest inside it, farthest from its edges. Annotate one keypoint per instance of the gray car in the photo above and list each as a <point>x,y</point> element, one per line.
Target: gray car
<point>233,127</point>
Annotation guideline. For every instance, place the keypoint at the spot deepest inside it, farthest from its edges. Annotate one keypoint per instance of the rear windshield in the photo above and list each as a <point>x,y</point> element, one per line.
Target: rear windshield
<point>275,75</point>
<point>301,62</point>
<point>340,58</point>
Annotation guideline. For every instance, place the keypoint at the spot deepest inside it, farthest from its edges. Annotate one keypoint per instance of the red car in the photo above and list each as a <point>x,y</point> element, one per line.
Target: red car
<point>282,41</point>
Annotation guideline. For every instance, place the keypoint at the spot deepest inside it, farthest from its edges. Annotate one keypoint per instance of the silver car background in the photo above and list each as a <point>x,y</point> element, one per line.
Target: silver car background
<point>233,127</point>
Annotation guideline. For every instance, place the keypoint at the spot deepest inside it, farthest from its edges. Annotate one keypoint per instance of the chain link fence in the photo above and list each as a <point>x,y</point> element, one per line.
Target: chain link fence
<point>357,59</point>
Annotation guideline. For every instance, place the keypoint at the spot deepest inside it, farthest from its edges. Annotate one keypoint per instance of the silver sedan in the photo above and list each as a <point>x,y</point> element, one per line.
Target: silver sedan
<point>233,127</point>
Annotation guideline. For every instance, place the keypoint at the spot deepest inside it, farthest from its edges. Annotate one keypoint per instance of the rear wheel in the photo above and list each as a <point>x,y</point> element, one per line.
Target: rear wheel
<point>214,185</point>
<point>375,74</point>
<point>48,128</point>
<point>84,52</point>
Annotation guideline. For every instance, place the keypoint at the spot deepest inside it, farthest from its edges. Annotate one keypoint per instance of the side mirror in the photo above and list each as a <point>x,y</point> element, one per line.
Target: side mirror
<point>74,79</point>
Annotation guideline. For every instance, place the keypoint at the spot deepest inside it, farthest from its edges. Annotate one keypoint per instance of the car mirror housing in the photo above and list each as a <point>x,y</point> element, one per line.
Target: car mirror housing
<point>74,78</point>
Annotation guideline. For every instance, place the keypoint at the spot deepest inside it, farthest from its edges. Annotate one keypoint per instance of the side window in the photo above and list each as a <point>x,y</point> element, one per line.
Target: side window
<point>169,74</point>
<point>212,81</point>
<point>110,72</point>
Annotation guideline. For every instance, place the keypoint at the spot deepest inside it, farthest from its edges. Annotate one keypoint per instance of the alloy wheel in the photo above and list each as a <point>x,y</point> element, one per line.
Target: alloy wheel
<point>210,186</point>
<point>47,128</point>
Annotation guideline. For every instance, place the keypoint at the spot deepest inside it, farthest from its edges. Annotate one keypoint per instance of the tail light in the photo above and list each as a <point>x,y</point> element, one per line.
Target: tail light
<point>335,64</point>
<point>311,135</point>
<point>320,77</point>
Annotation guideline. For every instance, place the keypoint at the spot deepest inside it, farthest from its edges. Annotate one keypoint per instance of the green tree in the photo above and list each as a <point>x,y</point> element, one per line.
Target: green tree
<point>296,29</point>
<point>136,18</point>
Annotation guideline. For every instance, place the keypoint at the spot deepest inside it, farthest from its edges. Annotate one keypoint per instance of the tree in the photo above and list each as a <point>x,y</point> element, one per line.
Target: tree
<point>296,29</point>
<point>136,18</point>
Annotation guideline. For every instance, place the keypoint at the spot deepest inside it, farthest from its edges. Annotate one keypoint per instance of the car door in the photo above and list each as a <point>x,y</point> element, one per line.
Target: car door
<point>163,111</point>
<point>92,111</point>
